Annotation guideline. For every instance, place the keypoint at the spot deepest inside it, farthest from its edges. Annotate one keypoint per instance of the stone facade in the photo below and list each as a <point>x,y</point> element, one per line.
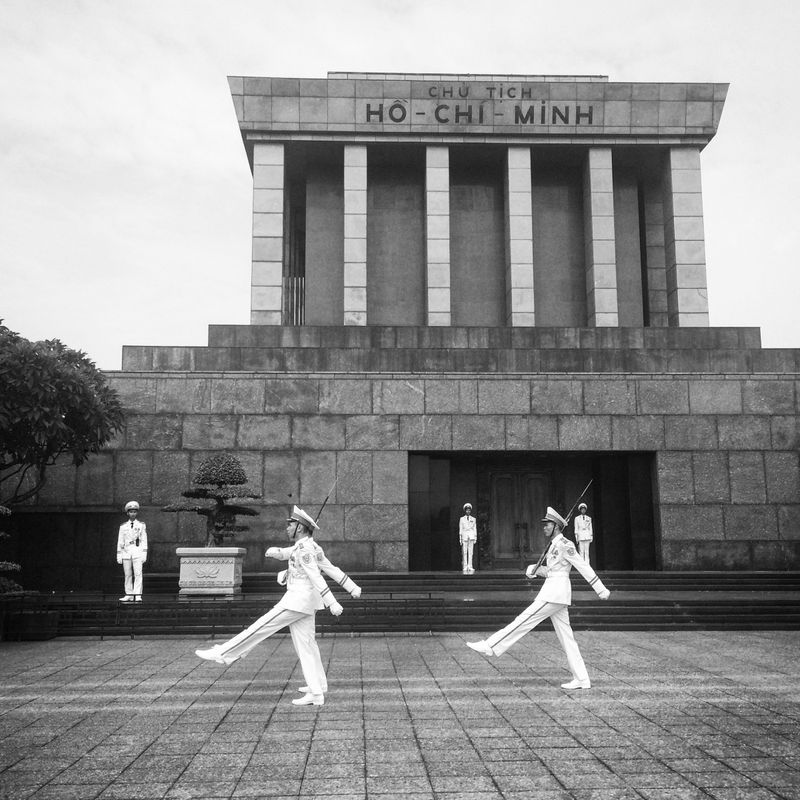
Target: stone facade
<point>484,288</point>
<point>724,440</point>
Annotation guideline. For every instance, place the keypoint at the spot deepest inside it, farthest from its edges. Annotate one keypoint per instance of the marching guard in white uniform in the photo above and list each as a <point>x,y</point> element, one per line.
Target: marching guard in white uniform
<point>306,593</point>
<point>132,552</point>
<point>467,536</point>
<point>552,601</point>
<point>583,531</point>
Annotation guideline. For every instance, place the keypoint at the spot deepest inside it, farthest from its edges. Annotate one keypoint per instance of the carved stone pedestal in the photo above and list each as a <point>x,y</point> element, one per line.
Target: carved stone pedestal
<point>210,570</point>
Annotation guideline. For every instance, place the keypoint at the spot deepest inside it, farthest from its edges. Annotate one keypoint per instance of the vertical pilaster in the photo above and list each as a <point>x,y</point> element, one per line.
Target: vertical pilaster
<point>437,234</point>
<point>519,252</point>
<point>656,256</point>
<point>355,234</point>
<point>601,258</point>
<point>266,284</point>
<point>687,291</point>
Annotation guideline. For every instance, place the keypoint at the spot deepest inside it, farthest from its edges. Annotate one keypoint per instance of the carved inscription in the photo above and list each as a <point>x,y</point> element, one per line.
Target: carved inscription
<point>473,105</point>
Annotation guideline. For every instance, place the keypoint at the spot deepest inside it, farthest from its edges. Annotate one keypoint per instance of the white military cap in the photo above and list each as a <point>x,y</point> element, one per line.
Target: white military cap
<point>467,505</point>
<point>298,515</point>
<point>582,505</point>
<point>131,504</point>
<point>551,515</point>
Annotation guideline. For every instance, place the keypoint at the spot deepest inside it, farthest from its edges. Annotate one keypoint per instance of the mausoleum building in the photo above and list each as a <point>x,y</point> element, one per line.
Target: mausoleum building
<point>469,288</point>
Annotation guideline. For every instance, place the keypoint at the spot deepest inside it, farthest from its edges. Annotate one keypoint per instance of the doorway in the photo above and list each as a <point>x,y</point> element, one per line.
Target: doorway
<point>510,492</point>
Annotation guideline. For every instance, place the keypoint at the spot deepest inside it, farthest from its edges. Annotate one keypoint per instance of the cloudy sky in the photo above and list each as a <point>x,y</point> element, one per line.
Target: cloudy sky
<point>125,195</point>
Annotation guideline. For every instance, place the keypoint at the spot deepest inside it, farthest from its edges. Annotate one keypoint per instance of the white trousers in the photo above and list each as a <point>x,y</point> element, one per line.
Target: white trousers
<point>583,549</point>
<point>466,554</point>
<point>303,631</point>
<point>537,612</point>
<point>133,576</point>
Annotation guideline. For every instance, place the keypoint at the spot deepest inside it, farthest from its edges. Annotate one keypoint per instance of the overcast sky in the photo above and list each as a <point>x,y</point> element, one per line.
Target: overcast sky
<point>125,195</point>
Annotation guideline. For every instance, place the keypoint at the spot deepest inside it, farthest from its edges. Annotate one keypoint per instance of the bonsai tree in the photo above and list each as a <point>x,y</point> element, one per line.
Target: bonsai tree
<point>219,480</point>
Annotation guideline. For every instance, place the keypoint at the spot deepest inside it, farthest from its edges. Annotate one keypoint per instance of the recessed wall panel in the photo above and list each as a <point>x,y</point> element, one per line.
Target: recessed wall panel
<point>559,277</point>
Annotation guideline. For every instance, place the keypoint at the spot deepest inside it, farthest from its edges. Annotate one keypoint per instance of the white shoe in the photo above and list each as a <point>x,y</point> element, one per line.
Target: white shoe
<point>127,599</point>
<point>576,684</point>
<point>481,647</point>
<point>309,699</point>
<point>213,654</point>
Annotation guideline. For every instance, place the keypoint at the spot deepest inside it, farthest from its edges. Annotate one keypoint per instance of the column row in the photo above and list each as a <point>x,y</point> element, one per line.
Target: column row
<point>671,217</point>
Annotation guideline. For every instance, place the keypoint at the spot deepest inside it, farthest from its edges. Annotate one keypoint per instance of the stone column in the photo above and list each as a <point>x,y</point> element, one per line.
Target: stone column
<point>437,234</point>
<point>601,259</point>
<point>684,239</point>
<point>266,285</point>
<point>519,254</point>
<point>355,234</point>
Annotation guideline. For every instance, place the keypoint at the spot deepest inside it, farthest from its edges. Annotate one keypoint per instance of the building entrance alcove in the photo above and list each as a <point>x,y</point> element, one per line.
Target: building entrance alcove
<point>509,494</point>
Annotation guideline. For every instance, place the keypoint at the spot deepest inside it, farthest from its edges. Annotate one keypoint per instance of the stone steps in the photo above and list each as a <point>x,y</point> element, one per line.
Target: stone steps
<point>399,583</point>
<point>437,602</point>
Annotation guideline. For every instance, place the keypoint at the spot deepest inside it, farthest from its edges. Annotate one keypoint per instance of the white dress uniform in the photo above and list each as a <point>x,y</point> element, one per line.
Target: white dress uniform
<point>583,534</point>
<point>467,536</point>
<point>132,553</point>
<point>552,602</point>
<point>306,593</point>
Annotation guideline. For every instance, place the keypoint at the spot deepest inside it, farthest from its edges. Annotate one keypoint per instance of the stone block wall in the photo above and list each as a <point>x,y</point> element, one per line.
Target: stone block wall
<point>726,452</point>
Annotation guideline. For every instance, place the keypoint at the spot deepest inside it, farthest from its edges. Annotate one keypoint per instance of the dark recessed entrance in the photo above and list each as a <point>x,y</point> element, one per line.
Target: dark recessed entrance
<point>509,494</point>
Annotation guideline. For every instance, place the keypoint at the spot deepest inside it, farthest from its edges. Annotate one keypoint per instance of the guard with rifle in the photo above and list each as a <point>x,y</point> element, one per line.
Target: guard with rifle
<point>553,600</point>
<point>306,593</point>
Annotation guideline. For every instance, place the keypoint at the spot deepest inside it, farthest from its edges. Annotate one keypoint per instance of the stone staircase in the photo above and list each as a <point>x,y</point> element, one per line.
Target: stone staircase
<point>437,602</point>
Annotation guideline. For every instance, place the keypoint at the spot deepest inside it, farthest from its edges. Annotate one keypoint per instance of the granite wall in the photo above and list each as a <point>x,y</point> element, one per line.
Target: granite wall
<point>726,451</point>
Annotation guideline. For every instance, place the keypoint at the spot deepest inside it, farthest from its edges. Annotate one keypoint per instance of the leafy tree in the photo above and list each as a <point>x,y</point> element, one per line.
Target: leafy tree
<point>54,402</point>
<point>218,480</point>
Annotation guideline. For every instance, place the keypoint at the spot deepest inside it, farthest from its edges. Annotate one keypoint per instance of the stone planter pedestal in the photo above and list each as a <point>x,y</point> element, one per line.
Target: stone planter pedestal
<point>210,571</point>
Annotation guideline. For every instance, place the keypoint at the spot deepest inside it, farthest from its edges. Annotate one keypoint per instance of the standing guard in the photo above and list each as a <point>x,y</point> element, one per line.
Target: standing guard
<point>467,536</point>
<point>583,531</point>
<point>552,602</point>
<point>132,552</point>
<point>306,593</point>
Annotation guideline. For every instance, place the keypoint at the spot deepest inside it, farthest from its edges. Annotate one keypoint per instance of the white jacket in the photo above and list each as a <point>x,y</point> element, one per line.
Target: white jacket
<point>561,558</point>
<point>132,541</point>
<point>467,529</point>
<point>306,590</point>
<point>583,528</point>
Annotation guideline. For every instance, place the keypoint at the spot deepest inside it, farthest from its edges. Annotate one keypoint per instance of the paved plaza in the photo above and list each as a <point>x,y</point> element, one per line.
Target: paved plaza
<point>680,715</point>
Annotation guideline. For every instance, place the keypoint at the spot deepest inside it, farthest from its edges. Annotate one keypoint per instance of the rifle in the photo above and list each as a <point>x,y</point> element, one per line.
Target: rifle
<point>325,502</point>
<point>543,556</point>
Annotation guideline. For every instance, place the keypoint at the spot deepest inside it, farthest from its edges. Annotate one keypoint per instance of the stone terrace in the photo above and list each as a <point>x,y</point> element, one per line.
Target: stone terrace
<point>670,716</point>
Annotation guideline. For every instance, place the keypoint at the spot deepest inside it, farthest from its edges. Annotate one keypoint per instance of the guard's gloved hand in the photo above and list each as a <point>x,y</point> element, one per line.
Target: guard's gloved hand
<point>272,552</point>
<point>604,595</point>
<point>356,593</point>
<point>336,609</point>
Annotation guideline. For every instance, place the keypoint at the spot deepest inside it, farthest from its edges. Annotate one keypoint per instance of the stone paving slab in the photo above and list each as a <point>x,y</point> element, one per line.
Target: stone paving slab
<point>677,716</point>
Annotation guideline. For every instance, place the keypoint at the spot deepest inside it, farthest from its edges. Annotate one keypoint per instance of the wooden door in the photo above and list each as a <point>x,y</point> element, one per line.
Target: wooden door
<point>518,503</point>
